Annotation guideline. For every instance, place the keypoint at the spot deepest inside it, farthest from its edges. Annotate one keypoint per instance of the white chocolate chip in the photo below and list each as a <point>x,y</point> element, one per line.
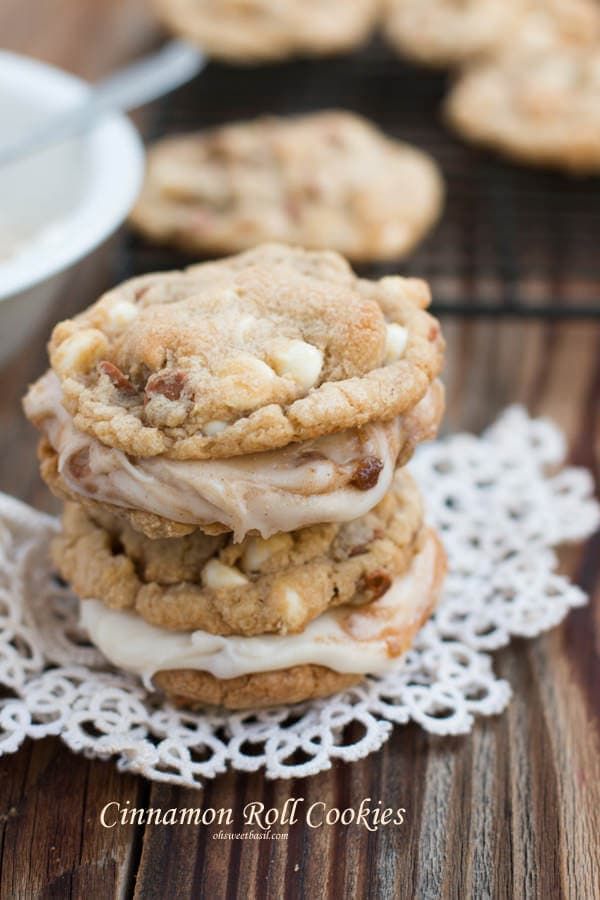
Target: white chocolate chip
<point>80,352</point>
<point>214,427</point>
<point>258,368</point>
<point>216,575</point>
<point>120,313</point>
<point>258,550</point>
<point>395,342</point>
<point>294,606</point>
<point>245,367</point>
<point>300,361</point>
<point>248,381</point>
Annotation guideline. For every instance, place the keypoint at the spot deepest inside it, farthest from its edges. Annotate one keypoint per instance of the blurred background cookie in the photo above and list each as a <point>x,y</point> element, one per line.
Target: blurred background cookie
<point>552,24</point>
<point>448,32</point>
<point>329,180</point>
<point>247,31</point>
<point>541,107</point>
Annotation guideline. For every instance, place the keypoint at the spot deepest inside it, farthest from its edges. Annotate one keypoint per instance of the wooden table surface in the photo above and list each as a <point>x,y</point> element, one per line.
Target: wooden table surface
<point>512,810</point>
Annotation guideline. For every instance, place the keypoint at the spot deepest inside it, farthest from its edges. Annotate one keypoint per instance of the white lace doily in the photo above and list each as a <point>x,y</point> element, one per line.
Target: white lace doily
<point>500,513</point>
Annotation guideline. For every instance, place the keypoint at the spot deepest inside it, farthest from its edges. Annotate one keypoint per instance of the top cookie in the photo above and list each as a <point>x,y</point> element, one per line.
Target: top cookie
<point>247,31</point>
<point>326,181</point>
<point>246,354</point>
<point>448,32</point>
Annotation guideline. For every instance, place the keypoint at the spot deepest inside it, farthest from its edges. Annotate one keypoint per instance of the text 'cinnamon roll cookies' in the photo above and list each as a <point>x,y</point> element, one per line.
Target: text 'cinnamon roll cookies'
<point>230,441</point>
<point>327,181</point>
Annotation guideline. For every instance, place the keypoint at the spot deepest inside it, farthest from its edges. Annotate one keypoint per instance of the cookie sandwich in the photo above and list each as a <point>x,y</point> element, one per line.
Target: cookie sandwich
<point>230,443</point>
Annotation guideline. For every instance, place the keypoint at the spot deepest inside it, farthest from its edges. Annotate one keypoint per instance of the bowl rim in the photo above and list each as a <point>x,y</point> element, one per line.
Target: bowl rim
<point>116,168</point>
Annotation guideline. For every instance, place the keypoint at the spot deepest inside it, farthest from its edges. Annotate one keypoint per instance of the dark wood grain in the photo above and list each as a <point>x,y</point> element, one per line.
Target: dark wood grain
<point>512,810</point>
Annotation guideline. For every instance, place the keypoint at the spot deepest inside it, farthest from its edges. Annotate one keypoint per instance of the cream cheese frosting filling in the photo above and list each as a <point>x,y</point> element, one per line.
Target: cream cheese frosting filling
<point>303,484</point>
<point>369,640</point>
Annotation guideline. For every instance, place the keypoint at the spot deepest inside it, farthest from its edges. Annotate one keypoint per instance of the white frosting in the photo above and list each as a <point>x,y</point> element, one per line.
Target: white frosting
<point>280,490</point>
<point>349,640</point>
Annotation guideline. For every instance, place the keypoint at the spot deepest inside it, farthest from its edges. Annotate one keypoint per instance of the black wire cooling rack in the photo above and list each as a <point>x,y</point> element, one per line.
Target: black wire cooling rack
<point>512,241</point>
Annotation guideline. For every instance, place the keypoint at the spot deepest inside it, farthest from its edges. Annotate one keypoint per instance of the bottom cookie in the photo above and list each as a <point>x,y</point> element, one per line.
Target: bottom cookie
<point>194,690</point>
<point>335,651</point>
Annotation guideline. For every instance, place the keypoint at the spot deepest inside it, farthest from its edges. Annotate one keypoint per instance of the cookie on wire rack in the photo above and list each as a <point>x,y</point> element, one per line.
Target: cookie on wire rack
<point>540,107</point>
<point>449,32</point>
<point>253,31</point>
<point>325,181</point>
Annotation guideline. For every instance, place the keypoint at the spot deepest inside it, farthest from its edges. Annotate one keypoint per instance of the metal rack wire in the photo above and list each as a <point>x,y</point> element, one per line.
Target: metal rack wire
<point>512,241</point>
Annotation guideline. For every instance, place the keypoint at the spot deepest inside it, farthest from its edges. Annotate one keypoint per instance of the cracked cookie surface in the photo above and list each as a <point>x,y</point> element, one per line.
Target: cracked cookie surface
<point>329,180</point>
<point>255,587</point>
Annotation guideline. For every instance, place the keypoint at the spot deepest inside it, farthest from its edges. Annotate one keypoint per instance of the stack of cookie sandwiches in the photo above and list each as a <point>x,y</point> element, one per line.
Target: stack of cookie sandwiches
<point>230,442</point>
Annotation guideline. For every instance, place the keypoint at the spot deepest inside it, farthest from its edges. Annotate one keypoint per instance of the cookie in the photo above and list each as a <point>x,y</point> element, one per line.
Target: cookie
<point>326,181</point>
<point>255,30</point>
<point>553,24</point>
<point>251,353</point>
<point>191,689</point>
<point>449,32</point>
<point>541,107</point>
<point>256,587</point>
<point>332,479</point>
<point>335,650</point>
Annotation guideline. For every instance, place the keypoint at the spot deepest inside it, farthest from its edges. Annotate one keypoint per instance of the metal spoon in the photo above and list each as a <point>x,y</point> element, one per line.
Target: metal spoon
<point>131,87</point>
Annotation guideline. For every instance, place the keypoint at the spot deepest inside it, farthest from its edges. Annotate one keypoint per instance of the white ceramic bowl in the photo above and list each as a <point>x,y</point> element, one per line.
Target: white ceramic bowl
<point>58,205</point>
